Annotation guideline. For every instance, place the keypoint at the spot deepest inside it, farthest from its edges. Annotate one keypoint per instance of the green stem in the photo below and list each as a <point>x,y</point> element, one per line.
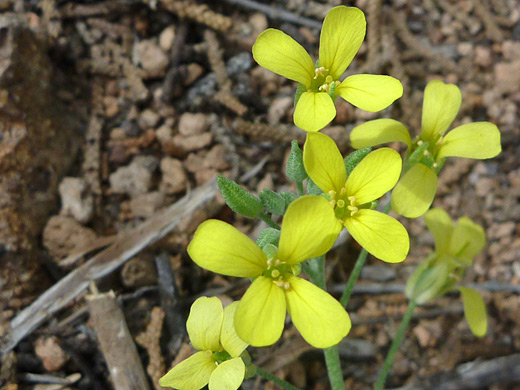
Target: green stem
<point>299,188</point>
<point>280,382</point>
<point>353,277</point>
<point>334,368</point>
<point>349,287</point>
<point>264,217</point>
<point>395,345</point>
<point>315,269</point>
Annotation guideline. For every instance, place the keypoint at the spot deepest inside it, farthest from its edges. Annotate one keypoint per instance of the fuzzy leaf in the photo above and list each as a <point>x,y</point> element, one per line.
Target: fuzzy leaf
<point>273,202</point>
<point>238,199</point>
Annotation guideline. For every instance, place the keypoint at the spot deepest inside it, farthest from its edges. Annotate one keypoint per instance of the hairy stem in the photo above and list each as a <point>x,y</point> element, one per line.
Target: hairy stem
<point>395,345</point>
<point>280,382</point>
<point>264,217</point>
<point>299,188</point>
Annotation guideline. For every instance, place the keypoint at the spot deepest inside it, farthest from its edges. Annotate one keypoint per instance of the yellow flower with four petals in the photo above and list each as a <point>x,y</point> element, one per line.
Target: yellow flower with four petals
<point>414,193</point>
<point>276,289</point>
<point>350,198</point>
<point>218,362</point>
<point>341,37</point>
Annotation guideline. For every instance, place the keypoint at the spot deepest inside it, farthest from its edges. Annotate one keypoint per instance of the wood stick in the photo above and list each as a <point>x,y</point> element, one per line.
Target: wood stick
<point>117,345</point>
<point>125,246</point>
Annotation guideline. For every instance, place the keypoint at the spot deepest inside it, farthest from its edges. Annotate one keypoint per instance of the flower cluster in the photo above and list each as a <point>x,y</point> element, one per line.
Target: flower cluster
<point>341,194</point>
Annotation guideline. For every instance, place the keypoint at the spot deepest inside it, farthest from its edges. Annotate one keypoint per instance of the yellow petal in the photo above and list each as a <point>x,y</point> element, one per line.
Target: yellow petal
<point>379,131</point>
<point>309,229</point>
<point>370,92</point>
<point>204,323</point>
<point>320,318</point>
<point>219,247</point>
<point>324,163</point>
<point>441,226</point>
<point>341,37</point>
<point>260,316</point>
<point>376,174</point>
<point>229,339</point>
<point>190,374</point>
<point>478,140</point>
<point>414,193</point>
<point>474,311</point>
<point>381,235</point>
<point>228,375</point>
<point>441,105</point>
<point>314,111</point>
<point>278,52</point>
<point>468,239</point>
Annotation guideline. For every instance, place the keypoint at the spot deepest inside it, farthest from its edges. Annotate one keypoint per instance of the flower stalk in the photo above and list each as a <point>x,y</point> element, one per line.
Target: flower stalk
<point>395,345</point>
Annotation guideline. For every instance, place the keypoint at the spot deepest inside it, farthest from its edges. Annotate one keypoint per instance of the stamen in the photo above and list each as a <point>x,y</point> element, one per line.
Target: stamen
<point>419,143</point>
<point>342,192</point>
<point>341,203</point>
<point>332,203</point>
<point>269,262</point>
<point>277,262</point>
<point>286,285</point>
<point>319,71</point>
<point>351,199</point>
<point>332,193</point>
<point>328,79</point>
<point>435,165</point>
<point>324,88</point>
<point>426,153</point>
<point>353,210</point>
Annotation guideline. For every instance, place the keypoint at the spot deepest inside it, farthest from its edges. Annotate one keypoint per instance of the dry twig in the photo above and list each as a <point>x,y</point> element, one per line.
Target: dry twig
<point>199,13</point>
<point>124,248</point>
<point>117,345</point>
<point>150,341</point>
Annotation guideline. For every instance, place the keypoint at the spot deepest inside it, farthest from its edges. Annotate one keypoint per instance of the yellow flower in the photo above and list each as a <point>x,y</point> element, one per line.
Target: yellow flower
<point>211,331</point>
<point>414,193</point>
<point>455,248</point>
<point>321,320</point>
<point>350,198</point>
<point>341,36</point>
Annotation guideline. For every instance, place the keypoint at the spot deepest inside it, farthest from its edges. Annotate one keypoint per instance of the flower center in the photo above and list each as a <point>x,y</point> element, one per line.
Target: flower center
<point>344,206</point>
<point>279,271</point>
<point>323,81</point>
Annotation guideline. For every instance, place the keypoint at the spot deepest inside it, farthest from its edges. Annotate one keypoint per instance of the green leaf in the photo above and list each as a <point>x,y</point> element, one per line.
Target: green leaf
<point>289,197</point>
<point>270,250</point>
<point>295,169</point>
<point>354,158</point>
<point>238,199</point>
<point>299,91</point>
<point>312,189</point>
<point>273,202</point>
<point>268,236</point>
